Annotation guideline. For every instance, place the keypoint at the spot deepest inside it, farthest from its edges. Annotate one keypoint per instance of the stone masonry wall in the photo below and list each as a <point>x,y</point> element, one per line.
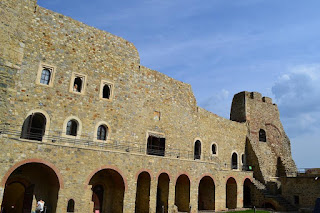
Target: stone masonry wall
<point>42,37</point>
<point>261,113</point>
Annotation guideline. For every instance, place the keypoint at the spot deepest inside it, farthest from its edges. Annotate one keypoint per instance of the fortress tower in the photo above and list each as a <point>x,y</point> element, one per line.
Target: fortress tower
<point>268,147</point>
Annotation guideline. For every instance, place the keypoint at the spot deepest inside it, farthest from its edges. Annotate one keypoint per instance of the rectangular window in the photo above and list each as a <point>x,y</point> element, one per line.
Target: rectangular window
<point>78,83</point>
<point>156,145</point>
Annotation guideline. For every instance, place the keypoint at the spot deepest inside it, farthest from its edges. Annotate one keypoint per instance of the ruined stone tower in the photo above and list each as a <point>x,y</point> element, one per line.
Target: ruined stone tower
<point>269,149</point>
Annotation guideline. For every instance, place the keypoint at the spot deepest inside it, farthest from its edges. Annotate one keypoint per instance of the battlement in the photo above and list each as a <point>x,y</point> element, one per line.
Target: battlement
<point>258,97</point>
<point>242,101</point>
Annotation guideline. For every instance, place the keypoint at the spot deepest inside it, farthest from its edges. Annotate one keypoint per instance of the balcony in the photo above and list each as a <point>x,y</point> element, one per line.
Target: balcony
<point>55,137</point>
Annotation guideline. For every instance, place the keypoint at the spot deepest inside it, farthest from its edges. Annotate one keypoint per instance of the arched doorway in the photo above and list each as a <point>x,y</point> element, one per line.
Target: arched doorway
<point>28,184</point>
<point>143,193</point>
<point>206,194</point>
<point>247,192</point>
<point>107,191</point>
<point>231,193</point>
<point>163,193</point>
<point>182,196</point>
<point>34,126</point>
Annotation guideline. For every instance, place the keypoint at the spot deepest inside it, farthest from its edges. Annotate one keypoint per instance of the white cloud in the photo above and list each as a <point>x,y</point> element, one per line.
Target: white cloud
<point>298,96</point>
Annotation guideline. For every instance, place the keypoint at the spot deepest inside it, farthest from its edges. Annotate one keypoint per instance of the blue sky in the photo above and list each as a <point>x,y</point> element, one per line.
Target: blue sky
<point>222,47</point>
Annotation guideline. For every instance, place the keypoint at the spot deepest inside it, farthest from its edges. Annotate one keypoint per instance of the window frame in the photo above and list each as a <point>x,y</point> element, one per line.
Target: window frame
<point>79,127</point>
<point>75,75</point>
<point>108,133</point>
<point>263,136</point>
<point>214,143</point>
<point>111,87</point>
<point>52,70</point>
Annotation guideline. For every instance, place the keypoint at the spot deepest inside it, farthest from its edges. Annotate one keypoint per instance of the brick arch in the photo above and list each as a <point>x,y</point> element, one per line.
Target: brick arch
<point>165,172</point>
<point>270,124</point>
<point>245,178</point>
<point>183,173</point>
<point>204,175</point>
<point>106,167</point>
<point>33,160</point>
<point>235,179</point>
<point>144,170</point>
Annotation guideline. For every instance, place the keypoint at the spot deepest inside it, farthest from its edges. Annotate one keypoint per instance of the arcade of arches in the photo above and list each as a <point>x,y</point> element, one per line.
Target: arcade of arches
<point>34,181</point>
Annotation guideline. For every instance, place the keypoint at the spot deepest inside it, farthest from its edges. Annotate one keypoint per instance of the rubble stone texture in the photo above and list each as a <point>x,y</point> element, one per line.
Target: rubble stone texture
<point>142,103</point>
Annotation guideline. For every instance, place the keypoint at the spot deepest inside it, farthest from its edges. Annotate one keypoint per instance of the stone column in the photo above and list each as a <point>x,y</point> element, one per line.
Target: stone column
<point>194,196</point>
<point>153,195</point>
<point>171,197</point>
<point>61,203</point>
<point>220,195</point>
<point>130,196</point>
<point>239,193</point>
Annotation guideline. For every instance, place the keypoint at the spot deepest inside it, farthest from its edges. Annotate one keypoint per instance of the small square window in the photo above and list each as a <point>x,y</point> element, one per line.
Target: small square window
<point>45,75</point>
<point>78,83</point>
<point>106,90</point>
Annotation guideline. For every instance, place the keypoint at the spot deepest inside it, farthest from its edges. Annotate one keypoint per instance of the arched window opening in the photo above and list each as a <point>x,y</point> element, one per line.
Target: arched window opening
<point>156,145</point>
<point>108,189</point>
<point>214,149</point>
<point>77,85</point>
<point>143,192</point>
<point>182,193</point>
<point>34,127</point>
<point>45,76</point>
<point>231,194</point>
<point>206,194</point>
<point>102,133</point>
<point>20,193</point>
<point>197,150</point>
<point>106,91</point>
<point>234,161</point>
<point>262,136</point>
<point>72,128</point>
<point>162,193</point>
<point>70,207</point>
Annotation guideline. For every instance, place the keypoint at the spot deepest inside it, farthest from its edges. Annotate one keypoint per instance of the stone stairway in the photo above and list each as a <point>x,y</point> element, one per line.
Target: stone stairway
<point>277,198</point>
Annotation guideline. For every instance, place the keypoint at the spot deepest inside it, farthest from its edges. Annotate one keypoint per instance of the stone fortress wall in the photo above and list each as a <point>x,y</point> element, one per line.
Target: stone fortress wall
<point>142,104</point>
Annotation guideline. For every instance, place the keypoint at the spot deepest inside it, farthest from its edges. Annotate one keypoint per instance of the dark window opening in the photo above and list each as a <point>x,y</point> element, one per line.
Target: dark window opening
<point>262,136</point>
<point>214,149</point>
<point>296,199</point>
<point>72,128</point>
<point>197,150</point>
<point>34,127</point>
<point>106,91</point>
<point>102,133</point>
<point>70,207</point>
<point>77,85</point>
<point>45,76</point>
<point>243,159</point>
<point>156,146</point>
<point>234,161</point>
